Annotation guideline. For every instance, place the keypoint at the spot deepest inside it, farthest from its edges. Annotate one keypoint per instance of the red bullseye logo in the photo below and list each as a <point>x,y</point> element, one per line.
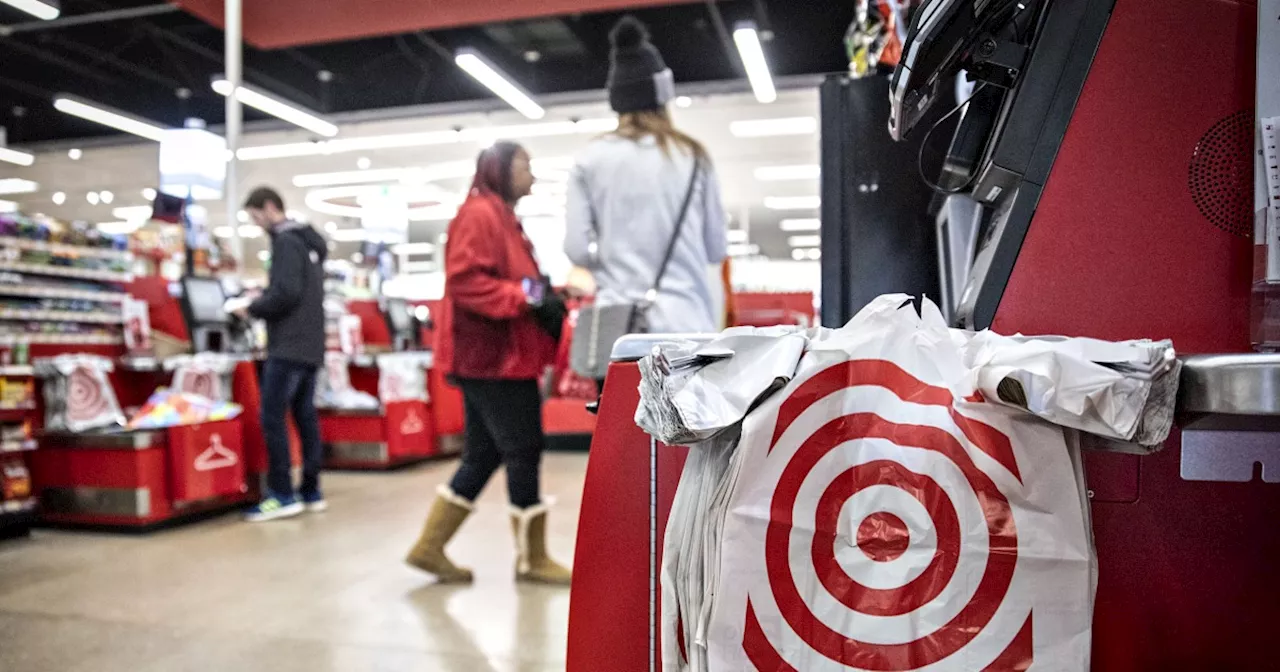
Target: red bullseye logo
<point>888,545</point>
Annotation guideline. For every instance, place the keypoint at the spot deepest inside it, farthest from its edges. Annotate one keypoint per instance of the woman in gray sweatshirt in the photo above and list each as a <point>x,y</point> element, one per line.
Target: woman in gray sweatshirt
<point>626,192</point>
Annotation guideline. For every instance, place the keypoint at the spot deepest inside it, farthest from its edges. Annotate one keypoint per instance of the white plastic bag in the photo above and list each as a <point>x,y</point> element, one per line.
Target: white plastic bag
<point>879,522</point>
<point>402,377</point>
<point>872,518</point>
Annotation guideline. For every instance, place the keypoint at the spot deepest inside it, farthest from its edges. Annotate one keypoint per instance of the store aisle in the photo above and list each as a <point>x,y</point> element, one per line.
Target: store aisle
<point>317,593</point>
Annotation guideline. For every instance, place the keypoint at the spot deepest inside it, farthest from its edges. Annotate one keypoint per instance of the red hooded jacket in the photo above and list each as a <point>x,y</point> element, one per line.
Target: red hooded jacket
<point>486,330</point>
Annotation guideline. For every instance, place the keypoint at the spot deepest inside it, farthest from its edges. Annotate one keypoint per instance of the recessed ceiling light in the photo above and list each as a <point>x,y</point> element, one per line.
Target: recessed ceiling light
<point>363,163</point>
<point>149,194</point>
<point>763,128</point>
<point>736,236</point>
<point>92,197</point>
<point>330,226</point>
<point>59,198</point>
<point>684,101</point>
<point>242,216</point>
<point>249,231</point>
<point>743,250</point>
<point>74,154</point>
<point>797,254</point>
<point>106,197</point>
<point>813,254</point>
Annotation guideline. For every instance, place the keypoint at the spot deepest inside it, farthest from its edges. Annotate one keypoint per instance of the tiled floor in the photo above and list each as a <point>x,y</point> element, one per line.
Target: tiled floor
<point>317,593</point>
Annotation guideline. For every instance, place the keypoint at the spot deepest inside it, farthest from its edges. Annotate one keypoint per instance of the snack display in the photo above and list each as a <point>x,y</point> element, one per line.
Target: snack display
<point>170,408</point>
<point>77,393</point>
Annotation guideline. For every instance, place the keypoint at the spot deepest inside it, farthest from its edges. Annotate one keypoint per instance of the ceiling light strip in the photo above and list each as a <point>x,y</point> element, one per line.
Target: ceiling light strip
<point>14,156</point>
<point>41,9</point>
<point>496,81</point>
<point>763,128</point>
<point>747,38</point>
<point>277,107</point>
<point>99,114</point>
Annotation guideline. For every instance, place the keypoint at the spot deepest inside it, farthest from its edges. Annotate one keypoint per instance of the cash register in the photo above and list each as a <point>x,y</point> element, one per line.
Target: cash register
<point>1081,150</point>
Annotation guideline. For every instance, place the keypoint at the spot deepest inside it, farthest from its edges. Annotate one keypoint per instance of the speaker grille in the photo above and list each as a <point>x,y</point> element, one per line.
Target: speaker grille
<point>1221,174</point>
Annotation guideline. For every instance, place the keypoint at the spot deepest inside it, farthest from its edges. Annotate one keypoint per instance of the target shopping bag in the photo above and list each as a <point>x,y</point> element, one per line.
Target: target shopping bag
<point>877,515</point>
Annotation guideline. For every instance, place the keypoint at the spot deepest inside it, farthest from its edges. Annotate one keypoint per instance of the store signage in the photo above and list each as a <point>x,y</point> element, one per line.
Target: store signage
<point>193,163</point>
<point>216,456</point>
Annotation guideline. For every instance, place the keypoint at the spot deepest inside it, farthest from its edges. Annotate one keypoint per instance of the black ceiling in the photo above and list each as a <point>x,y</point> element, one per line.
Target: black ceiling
<point>139,65</point>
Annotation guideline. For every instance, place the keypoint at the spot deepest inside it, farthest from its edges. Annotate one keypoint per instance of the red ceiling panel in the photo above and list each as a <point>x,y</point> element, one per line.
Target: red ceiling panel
<point>273,24</point>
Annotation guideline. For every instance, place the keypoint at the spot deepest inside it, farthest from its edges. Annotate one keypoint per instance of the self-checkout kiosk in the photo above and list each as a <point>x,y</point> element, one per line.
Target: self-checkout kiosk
<point>1102,162</point>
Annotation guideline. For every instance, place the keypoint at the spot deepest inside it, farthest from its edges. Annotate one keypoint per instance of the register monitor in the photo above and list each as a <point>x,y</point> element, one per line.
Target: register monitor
<point>207,323</point>
<point>401,323</point>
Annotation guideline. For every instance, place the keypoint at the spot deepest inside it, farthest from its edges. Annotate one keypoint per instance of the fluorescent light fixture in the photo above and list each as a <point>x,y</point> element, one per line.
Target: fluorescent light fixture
<point>132,213</point>
<point>792,225</point>
<point>108,117</point>
<point>250,231</point>
<point>793,202</point>
<point>788,173</point>
<point>805,241</point>
<point>286,150</point>
<point>484,72</point>
<point>276,107</point>
<point>8,206</point>
<point>747,38</point>
<point>763,128</point>
<point>348,235</point>
<point>14,156</point>
<point>45,10</point>
<point>119,228</point>
<point>413,248</point>
<point>743,250</point>
<point>223,232</point>
<point>684,101</point>
<point>736,236</point>
<point>17,185</point>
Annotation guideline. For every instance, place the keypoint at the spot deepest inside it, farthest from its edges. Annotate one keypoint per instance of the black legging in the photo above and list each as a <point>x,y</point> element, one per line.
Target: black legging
<point>504,426</point>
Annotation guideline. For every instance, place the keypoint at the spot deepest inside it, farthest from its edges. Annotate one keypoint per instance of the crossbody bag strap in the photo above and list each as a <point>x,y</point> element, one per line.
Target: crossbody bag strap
<point>652,294</point>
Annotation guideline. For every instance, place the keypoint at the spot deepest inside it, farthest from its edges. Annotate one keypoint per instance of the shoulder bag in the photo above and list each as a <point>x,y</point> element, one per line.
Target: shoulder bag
<point>599,327</point>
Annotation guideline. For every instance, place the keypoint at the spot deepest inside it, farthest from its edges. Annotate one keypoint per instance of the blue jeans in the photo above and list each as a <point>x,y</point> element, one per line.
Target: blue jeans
<point>290,387</point>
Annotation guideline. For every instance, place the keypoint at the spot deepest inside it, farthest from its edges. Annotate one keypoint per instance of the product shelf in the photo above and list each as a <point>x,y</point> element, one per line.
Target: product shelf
<point>38,292</point>
<point>65,272</point>
<point>60,339</point>
<point>17,446</point>
<point>61,316</point>
<point>59,248</point>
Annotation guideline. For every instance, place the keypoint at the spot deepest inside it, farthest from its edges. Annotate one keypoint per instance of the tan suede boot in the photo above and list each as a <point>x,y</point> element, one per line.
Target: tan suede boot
<point>447,514</point>
<point>532,562</point>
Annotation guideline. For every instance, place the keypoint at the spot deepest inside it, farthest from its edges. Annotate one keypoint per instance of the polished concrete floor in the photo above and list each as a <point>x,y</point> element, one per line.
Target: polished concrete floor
<point>322,592</point>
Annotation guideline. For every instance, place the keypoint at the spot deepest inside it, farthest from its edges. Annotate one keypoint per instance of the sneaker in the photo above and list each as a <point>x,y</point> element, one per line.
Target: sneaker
<point>314,502</point>
<point>274,508</point>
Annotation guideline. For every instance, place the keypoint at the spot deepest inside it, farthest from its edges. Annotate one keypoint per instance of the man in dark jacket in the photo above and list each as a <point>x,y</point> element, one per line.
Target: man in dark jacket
<point>293,308</point>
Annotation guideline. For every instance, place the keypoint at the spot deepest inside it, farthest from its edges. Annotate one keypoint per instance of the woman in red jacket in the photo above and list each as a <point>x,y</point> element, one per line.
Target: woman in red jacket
<point>495,336</point>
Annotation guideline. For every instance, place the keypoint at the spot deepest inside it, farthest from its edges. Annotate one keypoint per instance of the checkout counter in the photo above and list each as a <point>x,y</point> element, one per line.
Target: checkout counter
<point>139,480</point>
<point>1087,225</point>
<point>400,433</point>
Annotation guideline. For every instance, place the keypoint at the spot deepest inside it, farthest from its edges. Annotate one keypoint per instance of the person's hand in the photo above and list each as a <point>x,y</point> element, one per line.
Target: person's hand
<point>238,306</point>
